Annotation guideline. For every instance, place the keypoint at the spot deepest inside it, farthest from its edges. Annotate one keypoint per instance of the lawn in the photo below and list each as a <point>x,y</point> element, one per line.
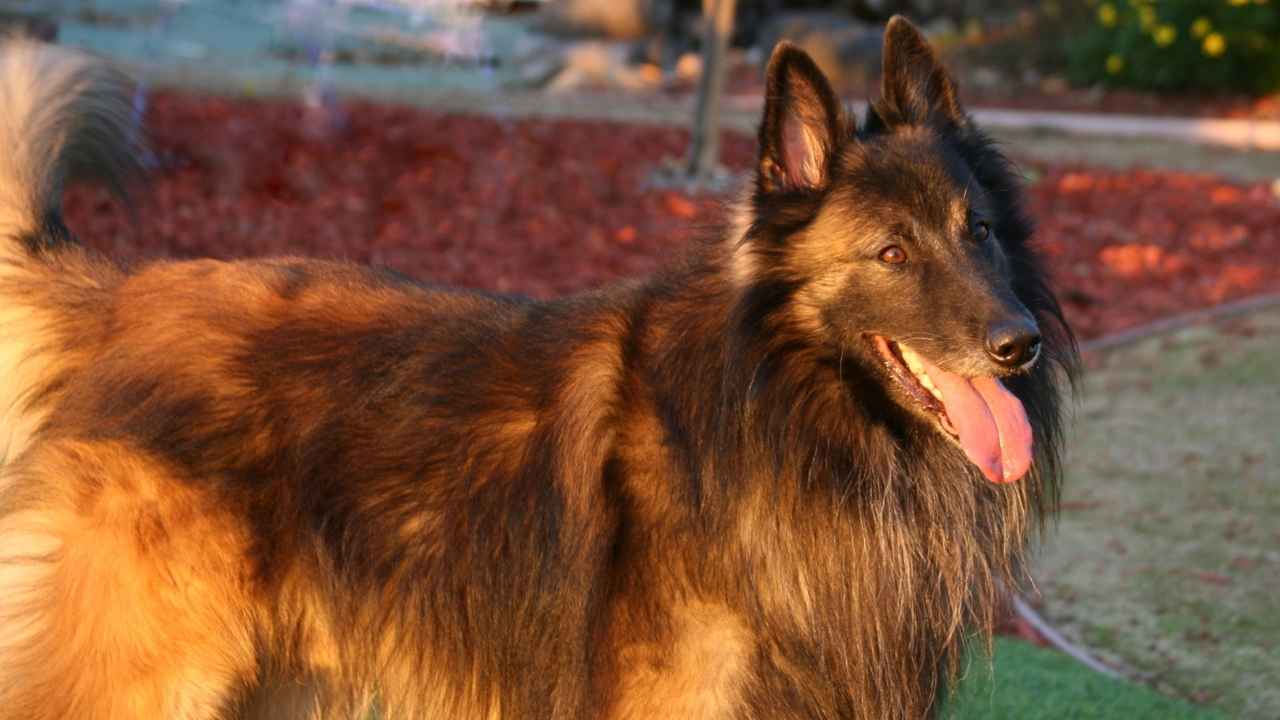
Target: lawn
<point>1166,557</point>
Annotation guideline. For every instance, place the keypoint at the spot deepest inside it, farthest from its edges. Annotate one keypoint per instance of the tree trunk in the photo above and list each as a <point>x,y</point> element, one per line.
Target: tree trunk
<point>704,154</point>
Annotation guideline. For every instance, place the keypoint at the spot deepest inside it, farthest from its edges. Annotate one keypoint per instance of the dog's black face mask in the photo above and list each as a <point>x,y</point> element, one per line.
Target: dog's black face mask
<point>896,247</point>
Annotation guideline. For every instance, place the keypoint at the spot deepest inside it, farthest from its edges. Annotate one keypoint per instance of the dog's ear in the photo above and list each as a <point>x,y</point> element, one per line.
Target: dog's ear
<point>916,89</point>
<point>802,124</point>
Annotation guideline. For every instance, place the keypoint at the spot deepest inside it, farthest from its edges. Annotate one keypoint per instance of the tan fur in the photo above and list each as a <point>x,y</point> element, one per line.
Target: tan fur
<point>697,673</point>
<point>113,570</point>
<point>596,366</point>
<point>819,256</point>
<point>22,368</point>
<point>742,261</point>
<point>32,323</point>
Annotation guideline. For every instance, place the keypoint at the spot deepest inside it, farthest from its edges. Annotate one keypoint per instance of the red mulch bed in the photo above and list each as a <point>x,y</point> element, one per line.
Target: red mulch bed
<point>549,207</point>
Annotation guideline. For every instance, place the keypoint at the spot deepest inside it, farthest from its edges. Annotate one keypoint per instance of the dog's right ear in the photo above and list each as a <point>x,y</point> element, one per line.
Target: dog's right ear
<point>802,124</point>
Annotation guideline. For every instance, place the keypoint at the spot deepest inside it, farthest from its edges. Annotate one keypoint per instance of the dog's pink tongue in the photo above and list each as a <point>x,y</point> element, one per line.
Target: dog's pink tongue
<point>991,422</point>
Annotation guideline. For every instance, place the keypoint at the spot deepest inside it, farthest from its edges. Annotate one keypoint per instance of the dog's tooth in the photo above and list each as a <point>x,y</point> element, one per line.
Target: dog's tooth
<point>928,385</point>
<point>916,365</point>
<point>911,359</point>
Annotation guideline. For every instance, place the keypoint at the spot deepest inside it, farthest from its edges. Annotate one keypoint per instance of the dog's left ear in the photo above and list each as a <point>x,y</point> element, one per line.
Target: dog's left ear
<point>802,124</point>
<point>916,89</point>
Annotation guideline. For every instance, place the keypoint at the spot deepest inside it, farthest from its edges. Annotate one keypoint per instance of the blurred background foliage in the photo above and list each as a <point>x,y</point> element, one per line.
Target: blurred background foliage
<point>1000,48</point>
<point>1163,46</point>
<point>1208,45</point>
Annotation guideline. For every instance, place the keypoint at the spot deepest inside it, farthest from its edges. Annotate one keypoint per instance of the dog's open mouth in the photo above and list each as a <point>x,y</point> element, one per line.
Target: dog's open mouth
<point>980,414</point>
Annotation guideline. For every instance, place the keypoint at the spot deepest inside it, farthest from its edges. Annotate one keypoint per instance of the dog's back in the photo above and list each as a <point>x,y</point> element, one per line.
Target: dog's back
<point>225,486</point>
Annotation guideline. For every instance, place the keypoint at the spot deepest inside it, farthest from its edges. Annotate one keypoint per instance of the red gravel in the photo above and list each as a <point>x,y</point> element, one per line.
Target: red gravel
<point>1127,248</point>
<point>548,207</point>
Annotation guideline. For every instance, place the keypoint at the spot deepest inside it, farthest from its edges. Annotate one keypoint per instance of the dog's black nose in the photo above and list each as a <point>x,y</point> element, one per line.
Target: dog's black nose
<point>1013,343</point>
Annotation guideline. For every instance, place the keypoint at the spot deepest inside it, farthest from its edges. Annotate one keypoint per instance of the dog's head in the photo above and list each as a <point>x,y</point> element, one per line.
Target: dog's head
<point>904,246</point>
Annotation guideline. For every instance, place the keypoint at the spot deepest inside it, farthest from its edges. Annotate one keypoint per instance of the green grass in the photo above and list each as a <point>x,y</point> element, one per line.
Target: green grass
<point>1029,682</point>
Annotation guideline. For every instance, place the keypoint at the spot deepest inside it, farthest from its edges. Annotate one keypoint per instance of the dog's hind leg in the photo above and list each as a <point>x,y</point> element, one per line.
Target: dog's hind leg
<point>121,590</point>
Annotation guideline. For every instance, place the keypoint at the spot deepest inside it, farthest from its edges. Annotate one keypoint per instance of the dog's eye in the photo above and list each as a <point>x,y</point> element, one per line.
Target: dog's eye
<point>981,230</point>
<point>893,255</point>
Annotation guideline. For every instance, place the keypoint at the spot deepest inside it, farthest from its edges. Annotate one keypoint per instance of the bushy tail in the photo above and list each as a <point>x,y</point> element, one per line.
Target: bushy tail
<point>64,116</point>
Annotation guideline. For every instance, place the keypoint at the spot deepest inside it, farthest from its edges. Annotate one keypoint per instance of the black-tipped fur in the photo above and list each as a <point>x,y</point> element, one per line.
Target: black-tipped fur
<point>915,87</point>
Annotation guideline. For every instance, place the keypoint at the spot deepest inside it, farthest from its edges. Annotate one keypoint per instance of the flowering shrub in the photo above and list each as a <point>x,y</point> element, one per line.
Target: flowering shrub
<point>1179,45</point>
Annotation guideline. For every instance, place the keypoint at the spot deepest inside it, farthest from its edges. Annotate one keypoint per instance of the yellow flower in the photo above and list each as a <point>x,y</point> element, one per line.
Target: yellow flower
<point>1115,64</point>
<point>1214,45</point>
<point>1165,35</point>
<point>1146,16</point>
<point>1237,3</point>
<point>1107,14</point>
<point>1201,27</point>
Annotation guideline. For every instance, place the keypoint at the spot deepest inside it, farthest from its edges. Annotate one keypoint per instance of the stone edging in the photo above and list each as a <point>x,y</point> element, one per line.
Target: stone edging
<point>1178,322</point>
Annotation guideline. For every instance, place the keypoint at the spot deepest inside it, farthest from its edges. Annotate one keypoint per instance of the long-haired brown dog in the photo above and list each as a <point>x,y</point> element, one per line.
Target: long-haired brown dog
<point>784,478</point>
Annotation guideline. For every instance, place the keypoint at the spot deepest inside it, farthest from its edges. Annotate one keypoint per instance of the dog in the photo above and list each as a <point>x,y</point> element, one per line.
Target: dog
<point>786,477</point>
